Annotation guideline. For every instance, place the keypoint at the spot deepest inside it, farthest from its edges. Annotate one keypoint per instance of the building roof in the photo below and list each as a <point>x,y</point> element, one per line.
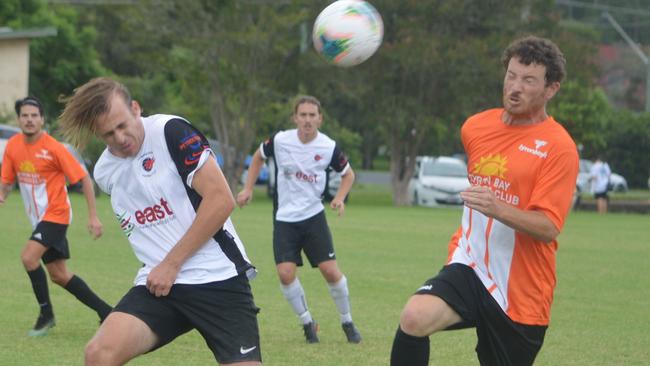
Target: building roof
<point>8,33</point>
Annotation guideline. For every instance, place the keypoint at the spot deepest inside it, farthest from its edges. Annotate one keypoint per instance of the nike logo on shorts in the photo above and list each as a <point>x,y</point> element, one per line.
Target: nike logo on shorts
<point>331,255</point>
<point>244,351</point>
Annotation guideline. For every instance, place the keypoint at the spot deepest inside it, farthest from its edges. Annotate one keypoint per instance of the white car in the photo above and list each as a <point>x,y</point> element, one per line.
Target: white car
<point>438,181</point>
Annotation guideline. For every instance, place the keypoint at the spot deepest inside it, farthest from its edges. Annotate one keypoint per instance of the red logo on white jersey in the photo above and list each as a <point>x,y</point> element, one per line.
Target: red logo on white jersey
<point>310,178</point>
<point>153,213</point>
<point>317,157</point>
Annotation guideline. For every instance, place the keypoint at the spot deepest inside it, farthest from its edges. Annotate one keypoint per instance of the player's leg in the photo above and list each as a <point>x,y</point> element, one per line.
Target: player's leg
<point>295,295</point>
<point>287,248</point>
<point>141,322</point>
<point>120,338</point>
<point>443,302</point>
<point>31,259</point>
<point>60,275</point>
<point>54,235</point>
<point>319,249</point>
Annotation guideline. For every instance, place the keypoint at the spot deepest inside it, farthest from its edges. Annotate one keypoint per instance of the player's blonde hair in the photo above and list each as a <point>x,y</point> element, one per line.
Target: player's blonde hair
<point>85,106</point>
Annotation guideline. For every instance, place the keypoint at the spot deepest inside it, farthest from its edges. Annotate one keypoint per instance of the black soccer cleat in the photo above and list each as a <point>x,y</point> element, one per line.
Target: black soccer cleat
<point>351,332</point>
<point>43,324</point>
<point>311,332</point>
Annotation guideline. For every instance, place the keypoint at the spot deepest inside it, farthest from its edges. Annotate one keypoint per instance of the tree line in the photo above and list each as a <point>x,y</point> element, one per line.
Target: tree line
<point>233,69</point>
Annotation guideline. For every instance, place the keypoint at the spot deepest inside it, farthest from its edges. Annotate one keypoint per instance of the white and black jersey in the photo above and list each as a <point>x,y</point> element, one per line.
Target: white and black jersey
<point>300,172</point>
<point>155,204</point>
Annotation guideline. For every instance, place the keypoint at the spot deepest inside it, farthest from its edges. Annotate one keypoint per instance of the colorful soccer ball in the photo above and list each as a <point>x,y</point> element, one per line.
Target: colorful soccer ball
<point>348,32</point>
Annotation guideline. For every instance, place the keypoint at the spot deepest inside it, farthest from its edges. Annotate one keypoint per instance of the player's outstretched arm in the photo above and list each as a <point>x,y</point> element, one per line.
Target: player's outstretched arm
<point>246,194</point>
<point>216,206</point>
<point>338,202</point>
<point>95,226</point>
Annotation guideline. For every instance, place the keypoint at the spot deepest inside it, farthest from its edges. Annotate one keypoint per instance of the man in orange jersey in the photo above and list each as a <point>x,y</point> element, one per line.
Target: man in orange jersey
<point>41,165</point>
<point>500,273</point>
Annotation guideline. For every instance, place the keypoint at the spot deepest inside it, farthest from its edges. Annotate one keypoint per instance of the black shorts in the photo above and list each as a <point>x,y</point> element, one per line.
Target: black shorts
<point>52,236</point>
<point>601,195</point>
<point>500,340</point>
<point>311,235</point>
<point>223,312</point>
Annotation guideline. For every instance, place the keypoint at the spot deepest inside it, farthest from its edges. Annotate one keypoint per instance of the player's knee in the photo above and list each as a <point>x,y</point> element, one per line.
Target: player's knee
<point>96,355</point>
<point>413,322</point>
<point>59,278</point>
<point>29,262</point>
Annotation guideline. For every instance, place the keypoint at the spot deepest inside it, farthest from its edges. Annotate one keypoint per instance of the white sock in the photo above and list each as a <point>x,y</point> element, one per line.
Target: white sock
<point>295,295</point>
<point>341,296</point>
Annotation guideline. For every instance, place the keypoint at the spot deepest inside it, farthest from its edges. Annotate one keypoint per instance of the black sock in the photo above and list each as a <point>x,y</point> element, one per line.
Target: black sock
<point>409,350</point>
<point>39,285</point>
<point>83,293</point>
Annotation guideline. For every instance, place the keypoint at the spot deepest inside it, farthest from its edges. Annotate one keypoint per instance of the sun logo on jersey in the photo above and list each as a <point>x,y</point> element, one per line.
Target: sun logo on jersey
<point>491,165</point>
<point>27,166</point>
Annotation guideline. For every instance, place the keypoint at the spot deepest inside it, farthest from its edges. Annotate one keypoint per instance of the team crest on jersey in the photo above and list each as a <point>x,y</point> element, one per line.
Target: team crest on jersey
<point>318,157</point>
<point>125,223</point>
<point>147,162</point>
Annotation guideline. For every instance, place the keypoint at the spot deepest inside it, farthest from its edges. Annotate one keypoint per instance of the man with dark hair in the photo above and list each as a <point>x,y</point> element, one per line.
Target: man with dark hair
<point>500,273</point>
<point>173,204</point>
<point>41,165</point>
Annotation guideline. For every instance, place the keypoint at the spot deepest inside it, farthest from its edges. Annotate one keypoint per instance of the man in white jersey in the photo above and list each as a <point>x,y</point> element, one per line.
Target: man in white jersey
<point>302,156</point>
<point>173,203</point>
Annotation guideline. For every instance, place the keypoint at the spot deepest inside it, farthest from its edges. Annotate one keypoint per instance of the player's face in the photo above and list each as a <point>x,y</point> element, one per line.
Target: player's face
<point>121,128</point>
<point>525,92</point>
<point>308,120</point>
<point>30,120</point>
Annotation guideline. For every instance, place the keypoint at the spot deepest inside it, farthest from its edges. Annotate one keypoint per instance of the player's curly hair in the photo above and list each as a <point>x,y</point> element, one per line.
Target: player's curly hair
<point>541,51</point>
<point>85,106</point>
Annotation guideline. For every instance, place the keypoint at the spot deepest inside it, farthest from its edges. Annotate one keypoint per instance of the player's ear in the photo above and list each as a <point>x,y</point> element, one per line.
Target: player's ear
<point>135,108</point>
<point>551,90</point>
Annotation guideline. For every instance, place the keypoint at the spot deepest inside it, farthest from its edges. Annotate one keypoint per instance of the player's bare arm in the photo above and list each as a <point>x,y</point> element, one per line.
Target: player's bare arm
<point>95,227</point>
<point>338,202</point>
<point>216,206</point>
<point>4,192</point>
<point>246,194</point>
<point>533,223</point>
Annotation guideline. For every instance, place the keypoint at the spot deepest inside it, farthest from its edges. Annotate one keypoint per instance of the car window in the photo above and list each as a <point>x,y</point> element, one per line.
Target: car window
<point>6,133</point>
<point>444,169</point>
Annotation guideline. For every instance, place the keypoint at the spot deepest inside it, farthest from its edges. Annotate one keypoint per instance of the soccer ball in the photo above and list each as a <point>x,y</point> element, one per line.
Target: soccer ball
<point>348,32</point>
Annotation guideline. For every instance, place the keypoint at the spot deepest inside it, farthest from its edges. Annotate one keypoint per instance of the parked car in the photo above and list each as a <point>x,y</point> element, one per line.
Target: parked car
<point>438,181</point>
<point>332,182</point>
<point>583,185</point>
<point>262,178</point>
<point>6,131</point>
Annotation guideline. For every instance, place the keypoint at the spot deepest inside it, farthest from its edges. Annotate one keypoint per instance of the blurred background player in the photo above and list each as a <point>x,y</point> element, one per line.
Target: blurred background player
<point>599,175</point>
<point>302,156</point>
<point>174,206</point>
<point>500,273</point>
<point>41,165</point>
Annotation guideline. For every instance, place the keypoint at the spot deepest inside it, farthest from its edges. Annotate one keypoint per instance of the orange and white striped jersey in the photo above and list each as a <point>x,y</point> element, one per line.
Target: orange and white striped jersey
<point>41,169</point>
<point>532,167</point>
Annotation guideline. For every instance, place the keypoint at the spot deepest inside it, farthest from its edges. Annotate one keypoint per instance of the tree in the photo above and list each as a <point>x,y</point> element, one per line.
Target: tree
<point>57,64</point>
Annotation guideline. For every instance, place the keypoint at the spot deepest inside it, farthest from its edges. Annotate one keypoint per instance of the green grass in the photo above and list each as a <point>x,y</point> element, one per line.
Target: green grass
<point>601,313</point>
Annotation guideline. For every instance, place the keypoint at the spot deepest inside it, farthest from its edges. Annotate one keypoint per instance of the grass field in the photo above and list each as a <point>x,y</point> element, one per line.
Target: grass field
<point>601,314</point>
